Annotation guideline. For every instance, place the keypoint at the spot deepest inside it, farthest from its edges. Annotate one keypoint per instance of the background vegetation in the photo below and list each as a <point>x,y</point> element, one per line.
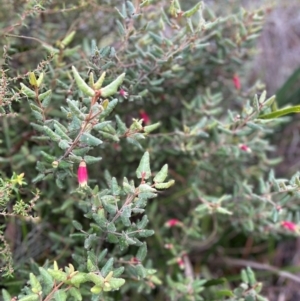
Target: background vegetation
<point>193,184</point>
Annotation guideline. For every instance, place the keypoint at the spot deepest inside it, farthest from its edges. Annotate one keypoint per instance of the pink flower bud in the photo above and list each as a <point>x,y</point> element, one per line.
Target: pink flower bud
<point>134,260</point>
<point>168,246</point>
<point>123,93</point>
<point>289,226</point>
<point>180,262</point>
<point>237,82</point>
<point>145,117</point>
<point>172,222</point>
<point>82,174</point>
<point>245,148</point>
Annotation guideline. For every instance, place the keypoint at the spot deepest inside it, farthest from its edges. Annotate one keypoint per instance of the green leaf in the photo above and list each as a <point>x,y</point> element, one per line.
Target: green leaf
<point>102,255</point>
<point>146,233</point>
<point>45,98</point>
<point>58,275</point>
<point>107,267</point>
<point>108,136</point>
<point>251,276</point>
<point>35,284</point>
<point>150,128</point>
<point>68,39</point>
<point>115,189</point>
<point>223,210</point>
<point>193,10</point>
<point>111,105</point>
<point>142,252</point>
<point>110,208</point>
<point>279,113</point>
<point>96,279</point>
<point>60,295</point>
<point>77,225</point>
<point>118,272</point>
<point>144,171</point>
<point>164,185</point>
<point>143,222</point>
<point>113,86</point>
<point>100,218</point>
<point>100,81</point>
<point>134,142</point>
<point>27,91</point>
<point>127,187</point>
<point>96,290</point>
<point>90,139</point>
<point>90,240</point>
<point>79,278</point>
<point>213,282</point>
<point>91,265</point>
<point>161,175</point>
<point>224,293</point>
<point>6,296</point>
<point>112,238</point>
<point>91,159</point>
<point>116,283</point>
<point>101,125</point>
<point>141,271</point>
<point>47,280</point>
<point>31,297</point>
<point>146,188</point>
<point>121,126</point>
<point>125,216</point>
<point>38,178</point>
<point>64,144</point>
<point>75,293</point>
<point>82,85</point>
<point>53,136</point>
<point>59,131</point>
<point>74,107</point>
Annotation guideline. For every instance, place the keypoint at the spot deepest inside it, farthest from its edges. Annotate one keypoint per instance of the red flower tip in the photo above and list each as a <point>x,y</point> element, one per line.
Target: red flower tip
<point>180,262</point>
<point>145,117</point>
<point>236,81</point>
<point>245,148</point>
<point>134,260</point>
<point>123,93</point>
<point>289,226</point>
<point>172,222</point>
<point>82,174</point>
<point>168,246</point>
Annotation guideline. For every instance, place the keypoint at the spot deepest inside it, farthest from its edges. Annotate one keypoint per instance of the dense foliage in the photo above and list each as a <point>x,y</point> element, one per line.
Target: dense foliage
<point>135,158</point>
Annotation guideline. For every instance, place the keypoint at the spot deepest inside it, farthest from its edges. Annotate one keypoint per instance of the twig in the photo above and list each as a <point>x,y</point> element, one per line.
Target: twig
<point>260,266</point>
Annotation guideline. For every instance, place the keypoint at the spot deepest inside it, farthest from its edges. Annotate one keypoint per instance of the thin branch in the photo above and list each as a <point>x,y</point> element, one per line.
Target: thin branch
<point>259,266</point>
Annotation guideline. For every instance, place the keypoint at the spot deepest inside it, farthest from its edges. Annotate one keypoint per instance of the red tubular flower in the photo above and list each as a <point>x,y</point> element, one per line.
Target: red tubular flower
<point>289,226</point>
<point>145,117</point>
<point>237,82</point>
<point>82,174</point>
<point>172,222</point>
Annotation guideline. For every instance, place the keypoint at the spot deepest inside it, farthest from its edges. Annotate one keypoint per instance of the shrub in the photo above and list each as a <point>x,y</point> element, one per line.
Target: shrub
<point>99,89</point>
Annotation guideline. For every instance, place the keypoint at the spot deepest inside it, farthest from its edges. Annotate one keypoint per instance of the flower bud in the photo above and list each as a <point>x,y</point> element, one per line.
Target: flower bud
<point>172,222</point>
<point>245,148</point>
<point>145,117</point>
<point>123,93</point>
<point>55,164</point>
<point>289,226</point>
<point>180,262</point>
<point>236,82</point>
<point>82,174</point>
